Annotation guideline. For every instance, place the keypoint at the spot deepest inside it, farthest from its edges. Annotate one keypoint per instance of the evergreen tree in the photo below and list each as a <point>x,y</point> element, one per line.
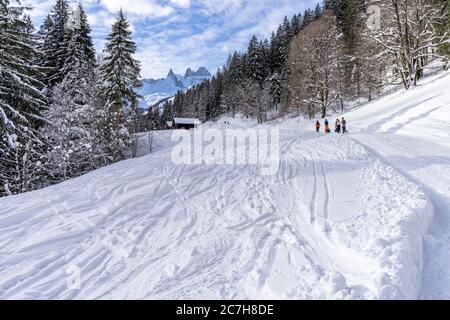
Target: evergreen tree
<point>66,140</point>
<point>120,80</point>
<point>233,77</point>
<point>350,23</point>
<point>21,101</point>
<point>277,82</point>
<point>214,98</point>
<point>178,104</point>
<point>167,114</point>
<point>235,73</point>
<point>256,62</point>
<point>75,135</point>
<point>273,53</point>
<point>44,46</point>
<point>81,52</point>
<point>317,12</point>
<point>308,17</point>
<point>280,46</point>
<point>54,44</point>
<point>296,24</point>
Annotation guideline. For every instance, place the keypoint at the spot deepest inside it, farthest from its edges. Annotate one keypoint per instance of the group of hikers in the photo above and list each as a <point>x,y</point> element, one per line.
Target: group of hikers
<point>340,126</point>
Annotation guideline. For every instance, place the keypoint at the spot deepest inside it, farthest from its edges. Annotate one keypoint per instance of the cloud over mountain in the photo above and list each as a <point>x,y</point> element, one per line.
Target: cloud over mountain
<point>177,33</point>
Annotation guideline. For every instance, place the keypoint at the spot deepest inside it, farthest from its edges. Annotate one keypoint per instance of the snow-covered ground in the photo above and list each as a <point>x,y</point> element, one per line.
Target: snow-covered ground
<point>344,217</point>
<point>411,132</point>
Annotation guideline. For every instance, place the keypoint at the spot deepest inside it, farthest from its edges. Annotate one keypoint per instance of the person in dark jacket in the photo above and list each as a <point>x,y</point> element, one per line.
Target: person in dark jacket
<point>317,126</point>
<point>338,126</point>
<point>344,125</point>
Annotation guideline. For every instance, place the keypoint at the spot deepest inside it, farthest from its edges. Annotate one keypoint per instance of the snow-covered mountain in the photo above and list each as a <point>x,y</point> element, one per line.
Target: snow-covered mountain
<point>155,91</point>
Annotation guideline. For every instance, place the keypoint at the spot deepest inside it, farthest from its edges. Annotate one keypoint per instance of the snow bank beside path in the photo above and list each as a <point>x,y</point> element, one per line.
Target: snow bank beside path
<point>411,132</point>
<point>394,216</point>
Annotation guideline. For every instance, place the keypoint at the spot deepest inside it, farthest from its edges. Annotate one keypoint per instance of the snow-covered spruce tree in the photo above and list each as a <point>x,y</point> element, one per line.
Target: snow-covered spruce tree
<point>74,132</point>
<point>178,102</point>
<point>21,102</point>
<point>279,51</point>
<point>214,110</point>
<point>350,24</point>
<point>281,46</point>
<point>296,24</point>
<point>308,17</point>
<point>314,61</point>
<point>44,40</point>
<point>256,100</point>
<point>120,78</point>
<point>201,100</point>
<point>67,146</point>
<point>55,34</point>
<point>409,37</point>
<point>94,119</point>
<point>196,99</point>
<point>153,119</point>
<point>233,77</point>
<point>277,86</point>
<point>80,49</point>
<point>167,114</point>
<point>256,63</point>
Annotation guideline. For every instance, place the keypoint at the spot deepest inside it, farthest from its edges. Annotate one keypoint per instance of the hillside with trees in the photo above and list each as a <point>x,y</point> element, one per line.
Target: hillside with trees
<point>63,112</point>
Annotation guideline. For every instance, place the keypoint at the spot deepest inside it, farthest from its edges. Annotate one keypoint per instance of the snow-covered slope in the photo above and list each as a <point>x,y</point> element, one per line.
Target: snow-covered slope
<point>344,217</point>
<point>155,91</point>
<point>411,132</point>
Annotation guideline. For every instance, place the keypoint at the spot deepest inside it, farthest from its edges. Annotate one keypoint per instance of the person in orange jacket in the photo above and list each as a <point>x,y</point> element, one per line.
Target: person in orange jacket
<point>317,126</point>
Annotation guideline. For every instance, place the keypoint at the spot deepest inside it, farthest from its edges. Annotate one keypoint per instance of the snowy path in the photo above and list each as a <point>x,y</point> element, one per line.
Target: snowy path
<point>335,222</point>
<point>411,132</point>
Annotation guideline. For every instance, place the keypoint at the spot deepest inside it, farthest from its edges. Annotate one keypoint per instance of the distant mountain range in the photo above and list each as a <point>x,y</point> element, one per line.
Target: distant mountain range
<point>156,91</point>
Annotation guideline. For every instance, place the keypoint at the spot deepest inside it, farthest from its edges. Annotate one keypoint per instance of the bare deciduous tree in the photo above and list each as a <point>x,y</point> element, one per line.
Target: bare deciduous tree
<point>408,36</point>
<point>314,65</point>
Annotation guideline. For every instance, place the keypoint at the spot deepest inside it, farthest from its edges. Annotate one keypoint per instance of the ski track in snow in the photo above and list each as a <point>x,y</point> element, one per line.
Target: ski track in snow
<point>338,221</point>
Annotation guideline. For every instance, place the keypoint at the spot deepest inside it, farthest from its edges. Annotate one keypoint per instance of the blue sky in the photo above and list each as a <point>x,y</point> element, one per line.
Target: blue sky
<point>184,33</point>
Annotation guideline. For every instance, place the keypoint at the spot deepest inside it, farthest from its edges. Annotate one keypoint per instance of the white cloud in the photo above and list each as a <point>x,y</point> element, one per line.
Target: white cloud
<point>181,3</point>
<point>138,7</point>
<point>212,6</point>
<point>184,33</point>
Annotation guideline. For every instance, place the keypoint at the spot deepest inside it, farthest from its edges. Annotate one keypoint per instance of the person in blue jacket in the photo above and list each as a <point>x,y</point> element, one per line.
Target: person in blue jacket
<point>327,126</point>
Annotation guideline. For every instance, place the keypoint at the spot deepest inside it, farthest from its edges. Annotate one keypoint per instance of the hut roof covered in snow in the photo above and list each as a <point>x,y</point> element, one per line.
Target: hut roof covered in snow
<point>191,121</point>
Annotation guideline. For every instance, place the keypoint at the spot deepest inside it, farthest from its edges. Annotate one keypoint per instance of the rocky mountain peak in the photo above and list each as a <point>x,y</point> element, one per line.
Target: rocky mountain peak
<point>171,74</point>
<point>201,72</point>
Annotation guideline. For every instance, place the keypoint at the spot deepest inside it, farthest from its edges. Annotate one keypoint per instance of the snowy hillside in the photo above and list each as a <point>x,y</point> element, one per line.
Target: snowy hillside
<point>155,91</point>
<point>411,132</point>
<point>344,217</point>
